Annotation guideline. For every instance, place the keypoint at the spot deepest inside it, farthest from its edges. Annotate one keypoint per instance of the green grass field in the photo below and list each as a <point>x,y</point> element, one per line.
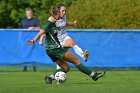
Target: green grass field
<point>32,82</point>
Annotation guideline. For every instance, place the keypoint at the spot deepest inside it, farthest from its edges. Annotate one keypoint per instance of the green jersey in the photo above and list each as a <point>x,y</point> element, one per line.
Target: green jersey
<point>51,35</point>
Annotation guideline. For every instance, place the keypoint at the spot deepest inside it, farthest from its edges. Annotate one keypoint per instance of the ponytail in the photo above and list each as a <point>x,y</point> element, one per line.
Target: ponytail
<point>53,11</point>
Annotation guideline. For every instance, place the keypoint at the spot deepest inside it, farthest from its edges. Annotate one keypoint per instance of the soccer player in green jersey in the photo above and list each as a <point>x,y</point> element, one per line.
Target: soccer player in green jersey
<point>56,52</point>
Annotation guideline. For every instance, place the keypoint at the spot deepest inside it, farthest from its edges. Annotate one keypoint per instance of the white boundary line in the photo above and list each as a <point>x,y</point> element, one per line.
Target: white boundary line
<point>77,30</point>
<point>17,30</point>
<point>103,30</point>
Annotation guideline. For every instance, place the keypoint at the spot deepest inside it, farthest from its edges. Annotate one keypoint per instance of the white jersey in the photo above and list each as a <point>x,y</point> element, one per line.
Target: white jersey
<point>62,34</point>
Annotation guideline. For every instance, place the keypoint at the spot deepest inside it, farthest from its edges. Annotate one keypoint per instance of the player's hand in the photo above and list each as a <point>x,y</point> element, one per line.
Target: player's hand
<point>30,42</point>
<point>75,23</point>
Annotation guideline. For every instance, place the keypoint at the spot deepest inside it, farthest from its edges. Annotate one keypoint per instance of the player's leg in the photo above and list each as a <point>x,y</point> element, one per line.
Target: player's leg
<point>34,67</point>
<point>71,58</point>
<point>25,67</point>
<point>70,43</point>
<point>64,67</point>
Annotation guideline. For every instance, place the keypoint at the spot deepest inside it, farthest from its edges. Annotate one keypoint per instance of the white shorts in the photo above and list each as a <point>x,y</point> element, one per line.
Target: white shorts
<point>62,41</point>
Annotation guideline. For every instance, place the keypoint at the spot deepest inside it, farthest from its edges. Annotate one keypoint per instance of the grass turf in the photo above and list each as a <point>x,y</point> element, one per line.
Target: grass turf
<point>32,82</point>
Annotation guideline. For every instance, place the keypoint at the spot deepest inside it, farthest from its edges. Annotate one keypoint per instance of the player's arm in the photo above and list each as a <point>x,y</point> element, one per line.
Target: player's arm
<point>72,23</point>
<point>41,32</point>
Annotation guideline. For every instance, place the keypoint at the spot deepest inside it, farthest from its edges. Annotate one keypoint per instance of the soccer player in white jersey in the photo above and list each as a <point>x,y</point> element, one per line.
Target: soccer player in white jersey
<point>63,37</point>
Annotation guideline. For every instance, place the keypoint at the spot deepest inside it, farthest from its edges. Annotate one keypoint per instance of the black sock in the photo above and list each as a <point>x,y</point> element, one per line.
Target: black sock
<point>84,69</point>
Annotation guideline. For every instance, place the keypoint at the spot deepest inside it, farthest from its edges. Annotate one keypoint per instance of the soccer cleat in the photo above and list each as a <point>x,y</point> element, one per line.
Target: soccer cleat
<point>48,80</point>
<point>86,55</point>
<point>96,76</point>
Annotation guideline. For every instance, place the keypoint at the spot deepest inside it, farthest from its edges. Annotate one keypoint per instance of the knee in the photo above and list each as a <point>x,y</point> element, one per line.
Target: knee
<point>77,62</point>
<point>67,69</point>
<point>72,44</point>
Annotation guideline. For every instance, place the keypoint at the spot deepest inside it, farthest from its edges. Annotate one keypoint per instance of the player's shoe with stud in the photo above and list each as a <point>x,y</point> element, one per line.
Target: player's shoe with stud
<point>96,76</point>
<point>48,80</point>
<point>86,53</point>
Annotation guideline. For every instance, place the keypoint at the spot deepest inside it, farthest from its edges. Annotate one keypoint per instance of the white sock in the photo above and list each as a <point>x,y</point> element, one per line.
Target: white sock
<point>57,67</point>
<point>92,74</point>
<point>52,76</point>
<point>78,51</point>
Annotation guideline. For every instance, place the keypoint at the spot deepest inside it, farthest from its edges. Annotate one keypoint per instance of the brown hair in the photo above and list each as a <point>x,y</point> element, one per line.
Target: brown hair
<point>53,11</point>
<point>60,5</point>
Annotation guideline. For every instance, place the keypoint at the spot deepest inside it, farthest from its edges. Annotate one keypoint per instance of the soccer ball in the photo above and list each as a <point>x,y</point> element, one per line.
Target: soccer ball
<point>60,77</point>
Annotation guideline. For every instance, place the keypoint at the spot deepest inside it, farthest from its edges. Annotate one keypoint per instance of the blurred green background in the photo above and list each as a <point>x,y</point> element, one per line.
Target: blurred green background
<point>91,14</point>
